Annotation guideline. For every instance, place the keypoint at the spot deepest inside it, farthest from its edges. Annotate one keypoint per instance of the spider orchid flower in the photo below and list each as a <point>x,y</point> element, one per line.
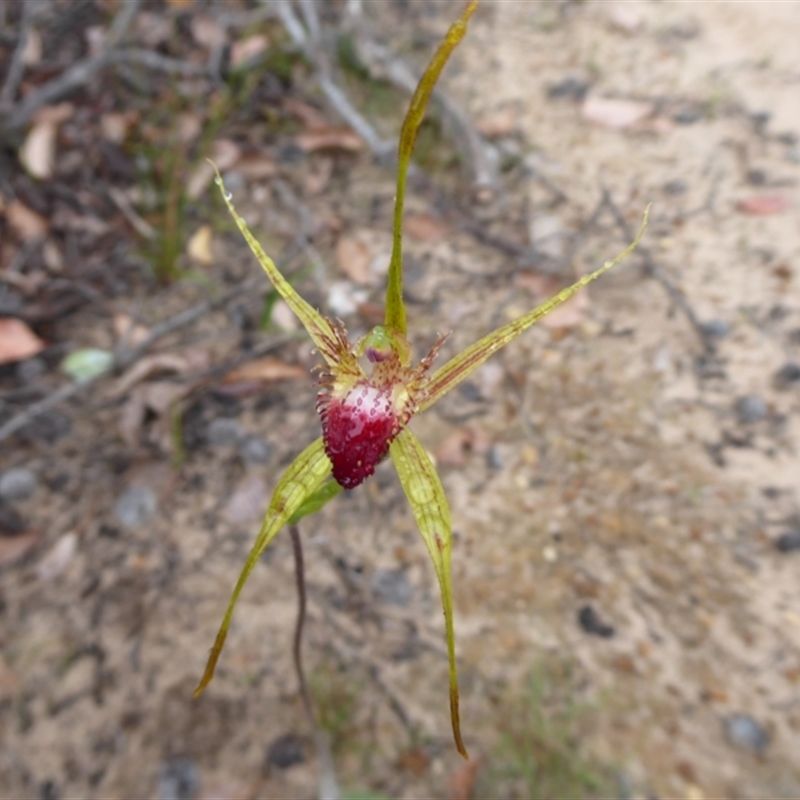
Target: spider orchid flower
<point>365,414</point>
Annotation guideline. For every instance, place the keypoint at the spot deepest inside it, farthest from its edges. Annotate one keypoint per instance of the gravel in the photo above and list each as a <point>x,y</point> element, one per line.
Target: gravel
<point>17,483</point>
<point>746,732</point>
<point>224,432</point>
<point>750,408</point>
<point>135,505</point>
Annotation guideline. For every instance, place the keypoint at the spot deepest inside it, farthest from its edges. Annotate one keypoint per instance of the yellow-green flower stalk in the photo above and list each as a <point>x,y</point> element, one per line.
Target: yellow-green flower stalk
<point>365,414</point>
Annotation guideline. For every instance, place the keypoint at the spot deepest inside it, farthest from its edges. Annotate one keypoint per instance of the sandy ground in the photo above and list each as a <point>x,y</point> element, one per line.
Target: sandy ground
<point>611,467</point>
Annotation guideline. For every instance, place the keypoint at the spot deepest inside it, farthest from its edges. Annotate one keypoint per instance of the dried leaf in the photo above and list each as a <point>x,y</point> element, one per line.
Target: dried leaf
<point>257,168</point>
<point>15,548</point>
<point>245,51</point>
<point>311,117</point>
<point>86,363</point>
<point>353,258</point>
<point>27,224</point>
<point>58,557</point>
<point>457,447</point>
<point>615,113</point>
<point>224,153</point>
<point>425,228</point>
<point>265,370</point>
<point>38,151</point>
<point>199,246</point>
<point>148,366</point>
<point>329,138</point>
<point>17,341</point>
<point>763,205</point>
<point>32,54</point>
<point>207,31</point>
<point>498,124</point>
<point>157,397</point>
<point>114,126</point>
<point>128,331</point>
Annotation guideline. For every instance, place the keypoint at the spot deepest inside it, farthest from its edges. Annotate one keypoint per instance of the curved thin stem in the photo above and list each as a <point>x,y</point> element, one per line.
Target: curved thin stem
<point>300,580</point>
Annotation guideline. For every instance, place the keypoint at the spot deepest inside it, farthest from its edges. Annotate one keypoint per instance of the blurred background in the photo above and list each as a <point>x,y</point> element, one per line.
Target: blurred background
<point>623,478</point>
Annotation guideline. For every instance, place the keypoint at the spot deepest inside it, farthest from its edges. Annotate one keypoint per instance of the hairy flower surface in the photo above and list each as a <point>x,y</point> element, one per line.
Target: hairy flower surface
<point>365,414</point>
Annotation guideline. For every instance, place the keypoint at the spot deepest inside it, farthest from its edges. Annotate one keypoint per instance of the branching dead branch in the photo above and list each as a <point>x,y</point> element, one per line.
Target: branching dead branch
<point>77,75</point>
<point>309,42</point>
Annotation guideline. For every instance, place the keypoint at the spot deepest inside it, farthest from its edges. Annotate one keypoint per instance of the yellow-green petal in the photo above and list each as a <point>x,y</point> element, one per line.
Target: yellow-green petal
<point>395,309</point>
<point>298,483</point>
<point>432,513</point>
<point>462,365</point>
<point>319,329</point>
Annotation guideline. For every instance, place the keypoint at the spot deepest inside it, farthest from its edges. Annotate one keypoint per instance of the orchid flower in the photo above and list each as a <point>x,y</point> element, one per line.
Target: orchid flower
<point>365,414</point>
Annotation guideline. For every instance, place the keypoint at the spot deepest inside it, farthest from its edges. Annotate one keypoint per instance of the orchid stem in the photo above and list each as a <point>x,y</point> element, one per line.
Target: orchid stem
<point>300,580</point>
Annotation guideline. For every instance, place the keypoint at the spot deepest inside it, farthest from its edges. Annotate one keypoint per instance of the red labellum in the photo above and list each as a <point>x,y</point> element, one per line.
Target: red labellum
<point>357,430</point>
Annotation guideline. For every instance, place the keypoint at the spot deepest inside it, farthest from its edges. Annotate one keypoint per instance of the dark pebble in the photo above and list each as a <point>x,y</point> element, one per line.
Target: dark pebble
<point>570,88</point>
<point>756,177</point>
<point>286,751</point>
<point>289,153</point>
<point>49,790</point>
<point>716,329</point>
<point>788,542</point>
<point>17,483</point>
<point>224,432</point>
<point>469,391</point>
<point>11,523</point>
<point>494,458</point>
<point>254,450</point>
<point>591,623</point>
<point>750,408</point>
<point>178,779</point>
<point>788,374</point>
<point>688,116</point>
<point>676,187</point>
<point>392,587</point>
<point>744,731</point>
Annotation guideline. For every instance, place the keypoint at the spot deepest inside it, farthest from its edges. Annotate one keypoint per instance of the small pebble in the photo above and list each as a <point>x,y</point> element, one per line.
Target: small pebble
<point>17,484</point>
<point>178,779</point>
<point>688,116</point>
<point>591,623</point>
<point>224,432</point>
<point>788,374</point>
<point>750,408</point>
<point>254,450</point>
<point>717,329</point>
<point>286,751</point>
<point>744,731</point>
<point>135,505</point>
<point>676,186</point>
<point>392,587</point>
<point>788,542</point>
<point>570,88</point>
<point>494,458</point>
